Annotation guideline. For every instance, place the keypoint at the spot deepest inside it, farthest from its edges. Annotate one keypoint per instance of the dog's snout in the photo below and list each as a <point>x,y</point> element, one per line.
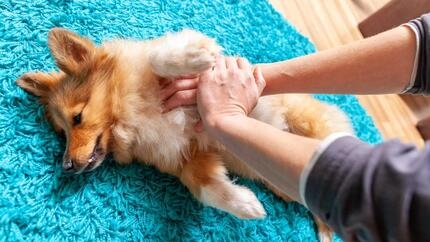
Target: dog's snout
<point>68,165</point>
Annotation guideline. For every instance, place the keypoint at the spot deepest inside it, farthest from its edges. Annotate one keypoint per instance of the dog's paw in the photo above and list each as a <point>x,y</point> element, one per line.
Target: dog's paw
<point>200,52</point>
<point>325,233</point>
<point>245,205</point>
<point>184,53</point>
<point>234,199</point>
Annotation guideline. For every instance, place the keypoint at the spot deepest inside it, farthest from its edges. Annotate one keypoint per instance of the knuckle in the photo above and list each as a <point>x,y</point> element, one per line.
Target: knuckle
<point>243,60</point>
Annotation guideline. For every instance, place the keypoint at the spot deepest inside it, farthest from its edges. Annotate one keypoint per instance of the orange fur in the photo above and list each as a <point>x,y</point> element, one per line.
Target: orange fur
<point>106,99</point>
<point>203,169</point>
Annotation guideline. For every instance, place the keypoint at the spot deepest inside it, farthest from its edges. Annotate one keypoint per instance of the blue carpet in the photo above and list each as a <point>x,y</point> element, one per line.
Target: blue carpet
<point>132,203</point>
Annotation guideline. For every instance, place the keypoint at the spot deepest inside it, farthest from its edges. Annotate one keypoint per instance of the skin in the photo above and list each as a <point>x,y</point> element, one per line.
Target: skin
<point>226,94</point>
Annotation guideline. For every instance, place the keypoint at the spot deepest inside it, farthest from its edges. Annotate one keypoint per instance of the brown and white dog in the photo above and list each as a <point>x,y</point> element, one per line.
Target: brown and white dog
<point>106,99</point>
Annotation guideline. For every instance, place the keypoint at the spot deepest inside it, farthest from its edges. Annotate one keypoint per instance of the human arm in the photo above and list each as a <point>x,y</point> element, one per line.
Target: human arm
<point>223,105</point>
<point>394,61</point>
<point>279,157</point>
<point>376,65</point>
<point>385,63</point>
<point>365,192</point>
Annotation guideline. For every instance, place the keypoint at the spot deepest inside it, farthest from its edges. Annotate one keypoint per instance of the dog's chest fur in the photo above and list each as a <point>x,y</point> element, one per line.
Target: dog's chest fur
<point>141,130</point>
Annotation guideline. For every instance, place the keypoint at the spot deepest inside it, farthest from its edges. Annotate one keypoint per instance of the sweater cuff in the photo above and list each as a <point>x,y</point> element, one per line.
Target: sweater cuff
<point>329,171</point>
<point>321,148</point>
<point>417,52</point>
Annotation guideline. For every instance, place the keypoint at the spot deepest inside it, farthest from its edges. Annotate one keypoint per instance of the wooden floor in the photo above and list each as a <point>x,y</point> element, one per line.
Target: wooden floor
<point>330,23</point>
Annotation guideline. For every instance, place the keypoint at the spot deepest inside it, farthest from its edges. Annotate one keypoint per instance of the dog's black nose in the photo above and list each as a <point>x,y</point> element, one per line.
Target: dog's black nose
<point>68,165</point>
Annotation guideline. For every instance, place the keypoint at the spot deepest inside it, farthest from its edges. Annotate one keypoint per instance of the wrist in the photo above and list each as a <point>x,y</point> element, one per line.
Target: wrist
<point>268,74</point>
<point>214,124</point>
<point>278,76</point>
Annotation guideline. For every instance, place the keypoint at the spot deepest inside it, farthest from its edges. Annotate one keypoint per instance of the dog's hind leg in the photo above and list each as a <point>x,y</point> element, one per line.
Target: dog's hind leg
<point>206,178</point>
<point>183,53</point>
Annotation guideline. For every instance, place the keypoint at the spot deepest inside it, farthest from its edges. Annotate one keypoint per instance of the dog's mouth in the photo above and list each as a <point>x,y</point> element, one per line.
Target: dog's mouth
<point>97,155</point>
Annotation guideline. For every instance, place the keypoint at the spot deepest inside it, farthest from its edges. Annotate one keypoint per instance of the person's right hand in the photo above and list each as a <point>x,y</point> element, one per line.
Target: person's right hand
<point>230,89</point>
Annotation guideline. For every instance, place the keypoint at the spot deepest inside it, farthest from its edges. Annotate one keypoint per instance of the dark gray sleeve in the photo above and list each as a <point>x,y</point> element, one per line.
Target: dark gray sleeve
<point>421,84</point>
<point>372,193</point>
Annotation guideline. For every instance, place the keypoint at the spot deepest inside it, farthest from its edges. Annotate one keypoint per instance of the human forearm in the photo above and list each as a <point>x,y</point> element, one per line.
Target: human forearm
<point>279,161</point>
<point>380,64</point>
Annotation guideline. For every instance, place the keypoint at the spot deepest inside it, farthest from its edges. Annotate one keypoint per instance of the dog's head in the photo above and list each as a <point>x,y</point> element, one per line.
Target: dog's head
<point>76,99</point>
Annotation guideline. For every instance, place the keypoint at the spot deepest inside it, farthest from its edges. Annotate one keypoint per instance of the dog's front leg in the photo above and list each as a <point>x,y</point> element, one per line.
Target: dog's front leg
<point>183,54</point>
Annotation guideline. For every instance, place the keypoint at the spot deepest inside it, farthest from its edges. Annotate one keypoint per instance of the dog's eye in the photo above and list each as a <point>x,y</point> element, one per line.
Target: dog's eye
<point>77,119</point>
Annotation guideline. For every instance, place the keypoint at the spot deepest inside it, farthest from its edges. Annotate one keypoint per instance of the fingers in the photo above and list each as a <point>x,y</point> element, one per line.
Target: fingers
<point>259,79</point>
<point>243,64</point>
<point>181,98</point>
<point>183,91</point>
<point>206,75</point>
<point>177,85</point>
<point>220,65</point>
<point>166,81</point>
<point>231,63</point>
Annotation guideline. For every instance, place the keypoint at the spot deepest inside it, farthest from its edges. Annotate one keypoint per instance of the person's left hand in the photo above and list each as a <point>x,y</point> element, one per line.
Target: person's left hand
<point>180,91</point>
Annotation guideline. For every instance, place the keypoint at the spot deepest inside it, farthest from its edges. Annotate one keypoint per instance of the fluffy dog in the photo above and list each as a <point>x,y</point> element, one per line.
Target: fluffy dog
<point>106,99</point>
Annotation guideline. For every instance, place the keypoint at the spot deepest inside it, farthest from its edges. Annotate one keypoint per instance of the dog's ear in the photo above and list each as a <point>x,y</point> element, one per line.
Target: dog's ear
<point>70,51</point>
<point>38,83</point>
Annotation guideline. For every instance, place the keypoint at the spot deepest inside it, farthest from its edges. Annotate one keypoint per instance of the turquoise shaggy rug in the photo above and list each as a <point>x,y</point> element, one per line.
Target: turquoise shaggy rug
<point>132,203</point>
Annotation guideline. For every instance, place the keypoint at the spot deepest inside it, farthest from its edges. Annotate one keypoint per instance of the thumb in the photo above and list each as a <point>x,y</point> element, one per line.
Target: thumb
<point>259,79</point>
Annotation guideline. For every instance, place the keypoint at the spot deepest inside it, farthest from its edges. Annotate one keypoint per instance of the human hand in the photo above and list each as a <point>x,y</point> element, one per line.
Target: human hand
<point>231,88</point>
<point>180,91</point>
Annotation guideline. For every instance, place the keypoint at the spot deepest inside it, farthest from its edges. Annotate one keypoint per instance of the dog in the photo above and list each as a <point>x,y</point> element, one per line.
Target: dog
<point>106,99</point>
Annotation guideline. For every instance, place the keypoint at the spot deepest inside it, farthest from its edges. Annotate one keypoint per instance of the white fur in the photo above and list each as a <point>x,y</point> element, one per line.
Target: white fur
<point>186,52</point>
<point>235,199</point>
<point>264,111</point>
